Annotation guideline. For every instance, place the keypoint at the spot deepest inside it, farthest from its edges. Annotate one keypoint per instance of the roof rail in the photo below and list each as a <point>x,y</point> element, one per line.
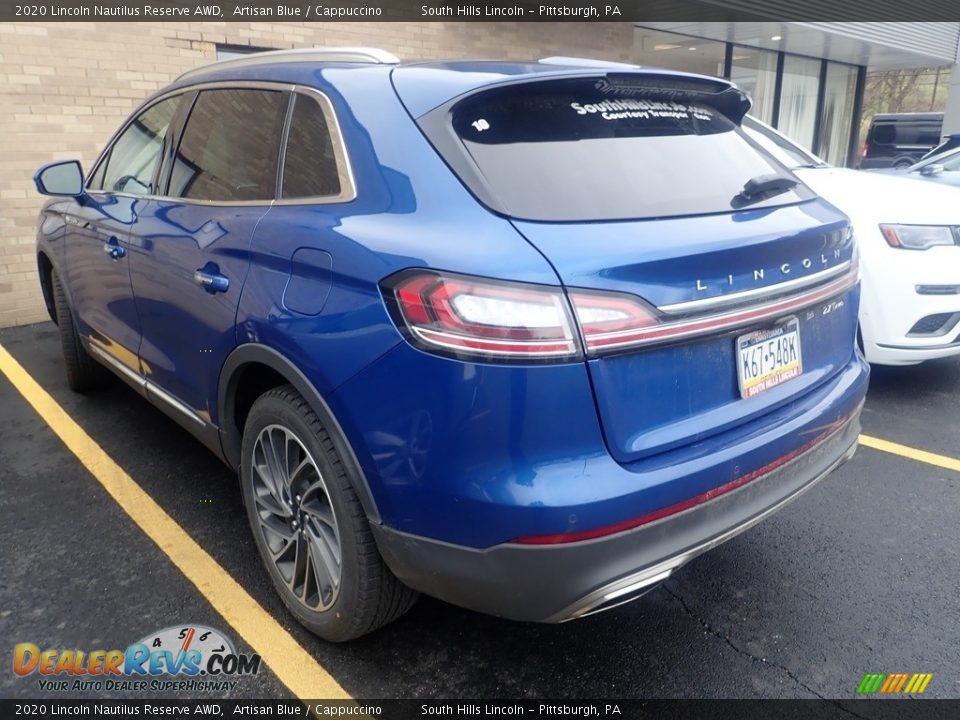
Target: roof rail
<point>321,54</point>
<point>584,62</point>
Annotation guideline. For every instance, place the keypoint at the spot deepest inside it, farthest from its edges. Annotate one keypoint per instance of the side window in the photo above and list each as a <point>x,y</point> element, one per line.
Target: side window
<point>928,135</point>
<point>885,134</point>
<point>907,134</point>
<point>310,165</point>
<point>952,164</point>
<point>134,156</point>
<point>230,146</point>
<point>95,181</point>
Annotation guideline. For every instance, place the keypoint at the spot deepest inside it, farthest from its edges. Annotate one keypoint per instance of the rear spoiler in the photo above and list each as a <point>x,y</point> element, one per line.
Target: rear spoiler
<point>718,94</point>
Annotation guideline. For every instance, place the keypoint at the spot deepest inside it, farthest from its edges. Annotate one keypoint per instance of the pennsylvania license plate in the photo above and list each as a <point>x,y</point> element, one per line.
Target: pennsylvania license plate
<point>766,358</point>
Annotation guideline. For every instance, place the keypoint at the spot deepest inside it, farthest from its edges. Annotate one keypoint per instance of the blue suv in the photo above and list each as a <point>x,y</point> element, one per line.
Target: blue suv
<point>525,337</point>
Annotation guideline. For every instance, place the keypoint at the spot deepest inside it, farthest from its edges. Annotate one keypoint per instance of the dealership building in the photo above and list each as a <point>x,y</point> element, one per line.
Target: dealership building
<point>66,86</point>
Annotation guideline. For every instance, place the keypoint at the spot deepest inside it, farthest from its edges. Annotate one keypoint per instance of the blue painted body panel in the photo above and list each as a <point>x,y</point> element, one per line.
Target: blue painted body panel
<point>411,211</point>
<point>478,455</point>
<point>100,291</point>
<point>187,331</point>
<point>468,452</point>
<point>660,398</point>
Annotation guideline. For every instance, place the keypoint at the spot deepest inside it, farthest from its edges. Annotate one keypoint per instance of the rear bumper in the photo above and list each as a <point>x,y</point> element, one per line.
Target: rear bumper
<point>555,583</point>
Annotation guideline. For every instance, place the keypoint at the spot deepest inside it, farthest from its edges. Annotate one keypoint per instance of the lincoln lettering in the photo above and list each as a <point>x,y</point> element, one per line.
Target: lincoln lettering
<point>785,269</point>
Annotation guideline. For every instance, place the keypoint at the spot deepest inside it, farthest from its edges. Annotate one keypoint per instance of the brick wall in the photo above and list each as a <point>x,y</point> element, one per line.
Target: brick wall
<point>65,87</point>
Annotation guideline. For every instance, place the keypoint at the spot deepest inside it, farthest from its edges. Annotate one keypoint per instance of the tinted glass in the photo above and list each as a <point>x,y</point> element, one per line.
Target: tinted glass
<point>928,135</point>
<point>793,156</point>
<point>134,157</point>
<point>950,143</point>
<point>565,150</point>
<point>230,146</point>
<point>310,167</point>
<point>951,163</point>
<point>906,133</point>
<point>883,134</point>
<point>95,181</point>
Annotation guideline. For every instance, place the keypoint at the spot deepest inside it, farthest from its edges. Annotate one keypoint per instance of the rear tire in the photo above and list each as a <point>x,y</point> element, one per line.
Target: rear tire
<point>83,372</point>
<point>309,526</point>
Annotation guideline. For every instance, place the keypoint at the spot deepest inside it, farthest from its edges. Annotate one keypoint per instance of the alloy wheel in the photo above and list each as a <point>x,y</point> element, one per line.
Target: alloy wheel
<point>296,518</point>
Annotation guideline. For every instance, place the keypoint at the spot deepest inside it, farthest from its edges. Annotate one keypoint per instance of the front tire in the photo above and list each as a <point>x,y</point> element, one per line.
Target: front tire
<point>83,372</point>
<point>309,526</point>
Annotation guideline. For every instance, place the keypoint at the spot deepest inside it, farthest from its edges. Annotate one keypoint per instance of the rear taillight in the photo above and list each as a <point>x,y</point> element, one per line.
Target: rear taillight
<point>608,320</point>
<point>472,316</point>
<point>467,316</point>
<point>642,327</point>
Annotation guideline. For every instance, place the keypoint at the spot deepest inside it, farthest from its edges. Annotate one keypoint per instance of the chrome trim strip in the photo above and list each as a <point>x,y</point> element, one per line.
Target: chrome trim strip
<point>922,348</point>
<point>691,327</point>
<point>348,187</point>
<point>116,364</point>
<point>761,293</point>
<point>660,571</point>
<point>154,390</point>
<point>436,338</point>
<point>938,290</point>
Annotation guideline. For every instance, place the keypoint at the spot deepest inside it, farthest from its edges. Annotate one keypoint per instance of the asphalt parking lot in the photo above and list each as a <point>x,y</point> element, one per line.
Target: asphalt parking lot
<point>860,575</point>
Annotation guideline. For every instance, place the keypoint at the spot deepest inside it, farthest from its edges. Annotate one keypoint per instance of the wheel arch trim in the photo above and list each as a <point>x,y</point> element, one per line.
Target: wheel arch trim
<point>231,439</point>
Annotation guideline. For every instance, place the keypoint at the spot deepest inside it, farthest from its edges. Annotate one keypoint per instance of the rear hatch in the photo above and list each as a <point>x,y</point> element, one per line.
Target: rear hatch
<point>711,287</point>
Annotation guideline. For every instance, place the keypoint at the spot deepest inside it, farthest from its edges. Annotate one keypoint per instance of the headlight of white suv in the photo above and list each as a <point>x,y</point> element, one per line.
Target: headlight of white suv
<point>919,237</point>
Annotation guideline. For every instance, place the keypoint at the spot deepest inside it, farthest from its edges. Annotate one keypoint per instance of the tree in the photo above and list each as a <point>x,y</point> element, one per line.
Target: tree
<point>915,90</point>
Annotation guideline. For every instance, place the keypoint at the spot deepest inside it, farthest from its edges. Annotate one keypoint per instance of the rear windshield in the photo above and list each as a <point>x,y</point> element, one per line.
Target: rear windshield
<point>568,150</point>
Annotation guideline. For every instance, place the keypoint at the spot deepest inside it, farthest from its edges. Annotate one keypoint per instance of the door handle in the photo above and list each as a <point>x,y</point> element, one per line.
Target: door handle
<point>211,281</point>
<point>114,249</point>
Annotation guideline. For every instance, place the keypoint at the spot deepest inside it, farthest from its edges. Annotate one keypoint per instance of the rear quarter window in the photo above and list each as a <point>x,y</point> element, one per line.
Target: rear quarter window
<point>571,150</point>
<point>310,163</point>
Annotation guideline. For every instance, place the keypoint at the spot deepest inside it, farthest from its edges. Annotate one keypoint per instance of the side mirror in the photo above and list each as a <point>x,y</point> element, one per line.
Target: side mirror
<point>928,170</point>
<point>60,179</point>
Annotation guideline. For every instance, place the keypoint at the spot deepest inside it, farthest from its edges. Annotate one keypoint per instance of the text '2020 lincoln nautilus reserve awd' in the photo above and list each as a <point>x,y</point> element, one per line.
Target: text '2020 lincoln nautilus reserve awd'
<point>525,337</point>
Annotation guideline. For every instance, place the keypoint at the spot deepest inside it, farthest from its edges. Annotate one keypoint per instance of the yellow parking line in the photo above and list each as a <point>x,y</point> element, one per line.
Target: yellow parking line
<point>942,461</point>
<point>291,663</point>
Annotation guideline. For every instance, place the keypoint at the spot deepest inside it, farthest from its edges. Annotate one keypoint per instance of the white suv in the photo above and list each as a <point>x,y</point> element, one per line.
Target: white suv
<point>908,232</point>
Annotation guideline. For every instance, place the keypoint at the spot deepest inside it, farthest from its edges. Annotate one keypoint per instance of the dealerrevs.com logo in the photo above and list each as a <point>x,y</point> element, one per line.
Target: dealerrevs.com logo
<point>181,658</point>
<point>894,683</point>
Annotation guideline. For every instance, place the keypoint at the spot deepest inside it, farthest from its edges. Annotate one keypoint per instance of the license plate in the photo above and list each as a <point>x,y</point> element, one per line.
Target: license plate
<point>766,358</point>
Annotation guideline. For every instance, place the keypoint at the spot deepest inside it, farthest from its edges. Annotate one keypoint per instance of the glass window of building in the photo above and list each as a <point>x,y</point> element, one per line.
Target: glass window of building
<point>678,52</point>
<point>755,72</point>
<point>798,99</point>
<point>839,95</point>
<point>787,90</point>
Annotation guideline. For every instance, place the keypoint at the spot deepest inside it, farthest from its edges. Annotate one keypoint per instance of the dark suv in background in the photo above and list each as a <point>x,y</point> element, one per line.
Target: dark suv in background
<point>898,140</point>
